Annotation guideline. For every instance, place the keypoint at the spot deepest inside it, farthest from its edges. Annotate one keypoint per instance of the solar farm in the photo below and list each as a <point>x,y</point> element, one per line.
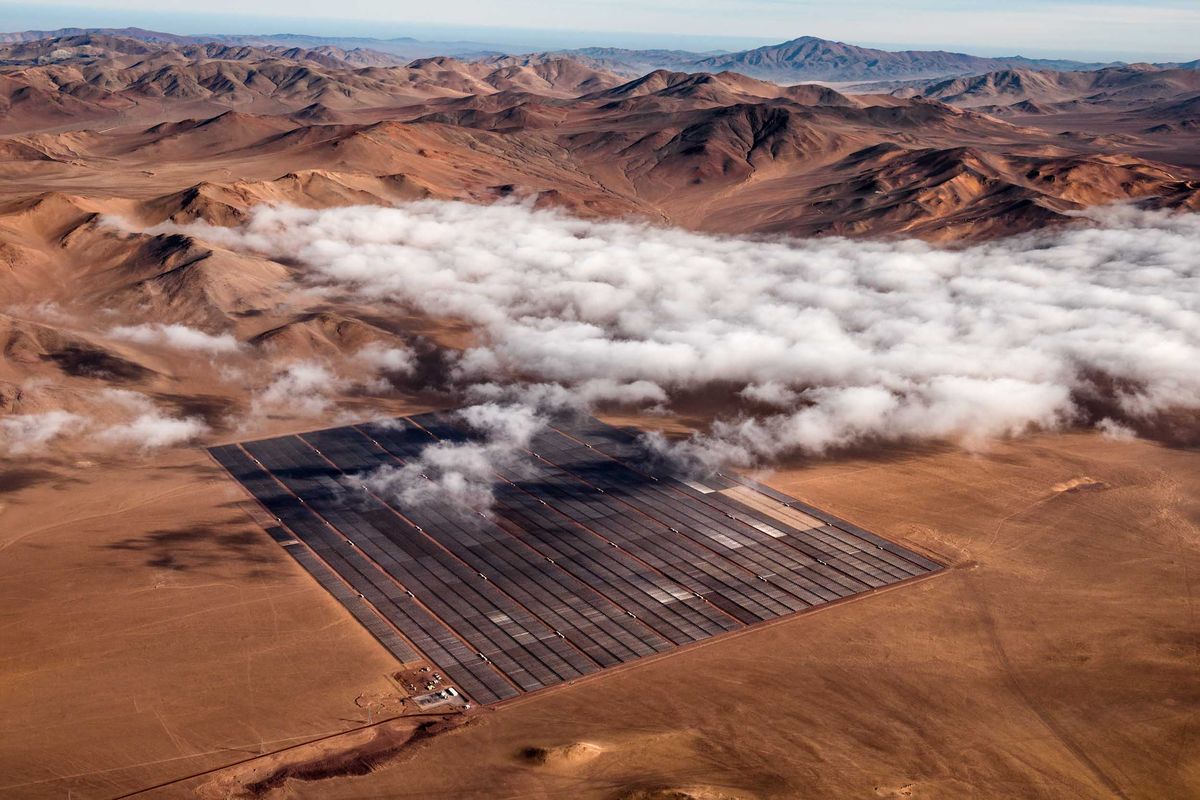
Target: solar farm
<point>588,559</point>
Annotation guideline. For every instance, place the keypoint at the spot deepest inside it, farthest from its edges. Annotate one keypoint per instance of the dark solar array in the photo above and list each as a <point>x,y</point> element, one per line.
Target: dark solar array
<point>589,559</point>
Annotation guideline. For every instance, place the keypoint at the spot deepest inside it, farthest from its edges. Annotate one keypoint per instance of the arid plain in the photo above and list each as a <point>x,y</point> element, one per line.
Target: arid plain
<point>169,636</point>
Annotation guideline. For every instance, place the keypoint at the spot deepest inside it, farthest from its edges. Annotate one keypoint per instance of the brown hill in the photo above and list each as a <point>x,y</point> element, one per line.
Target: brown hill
<point>193,283</point>
<point>30,348</point>
<point>323,334</point>
<point>1109,88</point>
<point>228,204</point>
<point>559,77</point>
<point>203,138</point>
<point>956,193</point>
<point>209,130</point>
<point>810,58</point>
<point>726,88</point>
<point>97,77</point>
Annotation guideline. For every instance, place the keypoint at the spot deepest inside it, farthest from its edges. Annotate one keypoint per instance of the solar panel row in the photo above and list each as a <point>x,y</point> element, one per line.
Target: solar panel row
<point>427,634</point>
<point>497,629</point>
<point>561,601</point>
<point>588,559</point>
<point>621,444</point>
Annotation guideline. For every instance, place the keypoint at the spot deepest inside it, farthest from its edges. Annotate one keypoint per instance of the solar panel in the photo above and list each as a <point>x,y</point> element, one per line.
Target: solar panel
<point>588,557</point>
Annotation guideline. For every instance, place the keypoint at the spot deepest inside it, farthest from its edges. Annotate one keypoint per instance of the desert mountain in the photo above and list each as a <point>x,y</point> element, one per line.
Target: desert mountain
<point>806,58</point>
<point>103,79</point>
<point>180,131</point>
<point>1116,107</point>
<point>395,50</point>
<point>1112,88</point>
<point>811,59</point>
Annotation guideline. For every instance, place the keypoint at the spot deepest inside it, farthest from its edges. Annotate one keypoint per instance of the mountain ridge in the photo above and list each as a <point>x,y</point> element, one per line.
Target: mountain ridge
<point>804,58</point>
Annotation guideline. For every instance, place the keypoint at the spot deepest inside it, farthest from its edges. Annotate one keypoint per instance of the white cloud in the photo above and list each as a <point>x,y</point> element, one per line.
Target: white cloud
<point>153,430</point>
<point>771,393</point>
<point>180,337</point>
<point>460,475</point>
<point>47,311</point>
<point>1115,430</point>
<point>114,417</point>
<point>851,340</point>
<point>22,434</point>
<point>147,427</point>
<point>378,357</point>
<point>303,388</point>
<point>381,363</point>
<point>553,396</point>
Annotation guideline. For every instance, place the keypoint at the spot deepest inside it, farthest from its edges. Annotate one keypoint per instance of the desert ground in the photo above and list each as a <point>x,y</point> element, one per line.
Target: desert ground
<point>155,642</point>
<point>1055,658</point>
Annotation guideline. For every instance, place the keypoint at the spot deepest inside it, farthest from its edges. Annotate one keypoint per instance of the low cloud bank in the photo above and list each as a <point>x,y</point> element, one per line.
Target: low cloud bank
<point>179,337</point>
<point>149,427</point>
<point>833,341</point>
<point>111,417</point>
<point>398,360</point>
<point>304,388</point>
<point>460,474</point>
<point>22,434</point>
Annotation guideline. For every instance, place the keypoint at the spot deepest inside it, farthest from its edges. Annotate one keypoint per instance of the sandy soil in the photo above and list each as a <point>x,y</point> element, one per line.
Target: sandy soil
<point>150,630</point>
<point>1057,658</point>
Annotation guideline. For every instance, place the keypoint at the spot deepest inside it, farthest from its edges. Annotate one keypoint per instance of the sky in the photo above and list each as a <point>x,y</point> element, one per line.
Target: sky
<point>1093,29</point>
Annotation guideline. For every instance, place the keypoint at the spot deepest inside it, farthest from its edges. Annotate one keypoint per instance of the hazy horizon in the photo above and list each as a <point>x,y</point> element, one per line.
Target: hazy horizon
<point>1101,31</point>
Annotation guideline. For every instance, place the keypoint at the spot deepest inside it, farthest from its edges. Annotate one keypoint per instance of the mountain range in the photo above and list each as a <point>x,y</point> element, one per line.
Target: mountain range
<point>203,130</point>
<point>108,142</point>
<point>809,58</point>
<point>806,58</point>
